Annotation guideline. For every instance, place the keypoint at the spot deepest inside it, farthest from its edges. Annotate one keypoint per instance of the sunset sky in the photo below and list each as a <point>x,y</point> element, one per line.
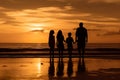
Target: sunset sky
<point>29,21</point>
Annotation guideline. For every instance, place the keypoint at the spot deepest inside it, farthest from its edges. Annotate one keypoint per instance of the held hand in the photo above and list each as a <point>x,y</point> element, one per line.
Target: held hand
<point>86,40</point>
<point>74,42</point>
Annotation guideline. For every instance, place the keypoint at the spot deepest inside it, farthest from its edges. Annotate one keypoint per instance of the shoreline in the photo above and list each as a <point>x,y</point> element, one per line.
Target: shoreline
<point>55,56</point>
<point>47,49</point>
<point>34,53</point>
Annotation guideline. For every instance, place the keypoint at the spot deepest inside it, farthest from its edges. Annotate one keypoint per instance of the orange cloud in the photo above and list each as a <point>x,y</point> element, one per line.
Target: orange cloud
<point>107,1</point>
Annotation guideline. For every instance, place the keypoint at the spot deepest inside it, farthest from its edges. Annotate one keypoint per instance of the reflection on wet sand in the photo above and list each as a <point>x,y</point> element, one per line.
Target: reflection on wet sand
<point>60,67</point>
<point>51,69</point>
<point>81,66</point>
<point>70,67</point>
<point>79,71</point>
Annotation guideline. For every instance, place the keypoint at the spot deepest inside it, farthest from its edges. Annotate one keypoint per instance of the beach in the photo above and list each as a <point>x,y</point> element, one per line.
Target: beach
<point>59,39</point>
<point>30,62</point>
<point>38,69</point>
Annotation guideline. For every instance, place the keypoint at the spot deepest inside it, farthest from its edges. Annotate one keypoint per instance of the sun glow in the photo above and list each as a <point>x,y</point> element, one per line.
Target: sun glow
<point>36,28</point>
<point>36,25</point>
<point>39,67</point>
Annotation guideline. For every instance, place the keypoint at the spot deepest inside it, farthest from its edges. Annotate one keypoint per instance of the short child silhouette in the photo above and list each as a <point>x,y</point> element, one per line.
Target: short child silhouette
<point>51,42</point>
<point>60,43</point>
<point>69,41</point>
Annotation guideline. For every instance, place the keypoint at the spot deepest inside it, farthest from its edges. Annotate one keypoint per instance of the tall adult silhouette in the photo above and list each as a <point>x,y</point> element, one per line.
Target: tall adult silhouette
<point>60,44</point>
<point>81,38</point>
<point>51,43</point>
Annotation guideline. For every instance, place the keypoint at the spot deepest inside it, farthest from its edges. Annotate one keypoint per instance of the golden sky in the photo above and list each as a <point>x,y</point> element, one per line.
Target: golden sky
<point>29,21</point>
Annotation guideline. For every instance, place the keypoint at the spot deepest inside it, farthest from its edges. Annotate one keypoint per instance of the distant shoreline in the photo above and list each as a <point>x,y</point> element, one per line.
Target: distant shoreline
<point>34,53</point>
<point>47,49</point>
<point>56,56</point>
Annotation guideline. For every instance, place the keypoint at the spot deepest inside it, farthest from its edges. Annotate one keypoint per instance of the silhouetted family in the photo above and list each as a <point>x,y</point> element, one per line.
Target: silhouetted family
<point>81,38</point>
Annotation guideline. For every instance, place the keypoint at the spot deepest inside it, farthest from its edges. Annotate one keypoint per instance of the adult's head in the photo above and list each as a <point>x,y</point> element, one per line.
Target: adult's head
<point>81,24</point>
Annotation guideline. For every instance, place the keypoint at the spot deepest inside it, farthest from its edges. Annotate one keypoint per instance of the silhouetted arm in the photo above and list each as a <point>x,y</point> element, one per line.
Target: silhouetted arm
<point>76,35</point>
<point>86,36</point>
<point>73,41</point>
<point>64,39</point>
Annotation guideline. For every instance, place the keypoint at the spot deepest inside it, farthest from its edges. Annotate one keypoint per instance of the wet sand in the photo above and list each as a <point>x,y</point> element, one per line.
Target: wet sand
<point>89,68</point>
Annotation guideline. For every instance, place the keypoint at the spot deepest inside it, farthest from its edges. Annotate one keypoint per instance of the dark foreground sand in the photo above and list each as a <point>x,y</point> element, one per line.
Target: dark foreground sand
<point>104,74</point>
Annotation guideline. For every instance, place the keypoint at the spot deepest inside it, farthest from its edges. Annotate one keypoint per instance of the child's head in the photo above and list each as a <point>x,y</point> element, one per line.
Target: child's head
<point>69,34</point>
<point>51,32</point>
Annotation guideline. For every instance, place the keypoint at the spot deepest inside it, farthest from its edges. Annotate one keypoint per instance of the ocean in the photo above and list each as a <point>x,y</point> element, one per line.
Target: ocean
<point>6,49</point>
<point>45,45</point>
